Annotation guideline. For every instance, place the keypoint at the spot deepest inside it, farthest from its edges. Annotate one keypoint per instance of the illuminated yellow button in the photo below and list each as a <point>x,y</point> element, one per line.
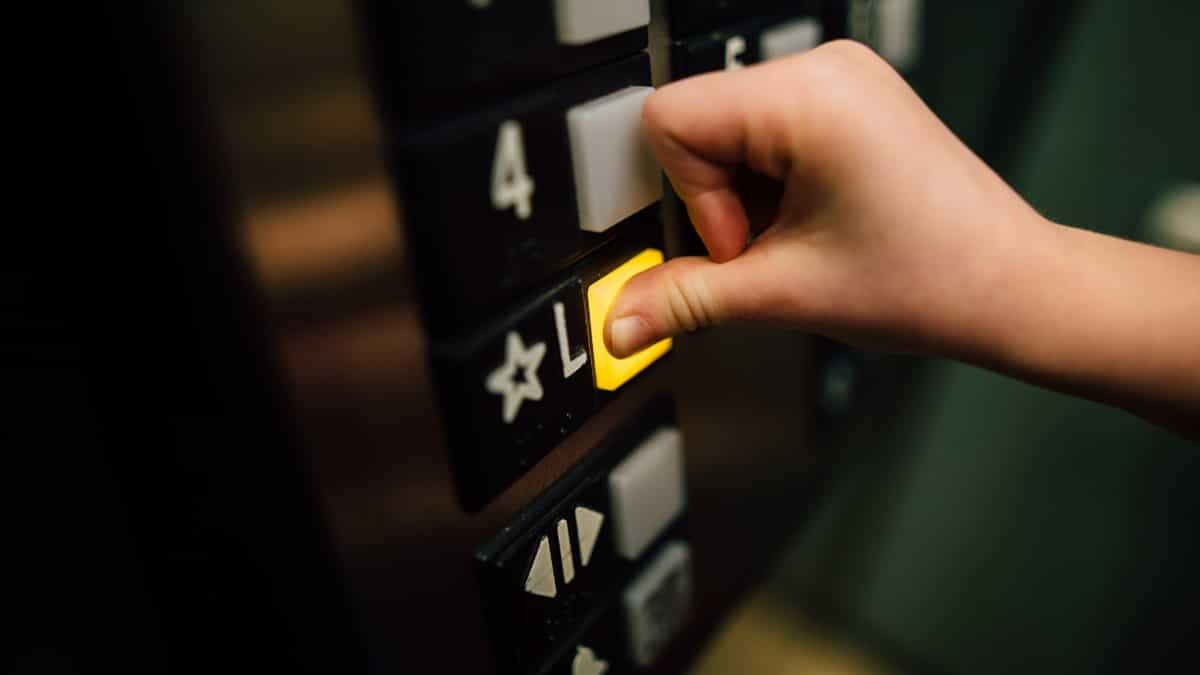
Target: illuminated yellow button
<point>612,372</point>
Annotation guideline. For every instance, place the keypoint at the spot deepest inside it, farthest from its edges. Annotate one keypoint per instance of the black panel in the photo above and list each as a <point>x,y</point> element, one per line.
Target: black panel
<point>529,631</point>
<point>472,253</point>
<point>437,57</point>
<point>711,50</point>
<point>689,17</point>
<point>505,395</point>
<point>708,52</point>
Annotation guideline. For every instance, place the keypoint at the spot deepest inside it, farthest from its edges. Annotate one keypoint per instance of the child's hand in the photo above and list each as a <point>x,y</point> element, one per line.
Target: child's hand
<point>879,227</point>
<point>882,226</point>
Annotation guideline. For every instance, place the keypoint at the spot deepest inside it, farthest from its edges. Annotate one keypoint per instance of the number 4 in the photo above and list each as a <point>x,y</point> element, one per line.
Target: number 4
<point>512,186</point>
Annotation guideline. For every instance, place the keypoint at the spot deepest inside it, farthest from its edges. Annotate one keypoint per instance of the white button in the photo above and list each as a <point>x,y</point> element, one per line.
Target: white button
<point>583,21</point>
<point>615,172</point>
<point>899,39</point>
<point>658,602</point>
<point>647,491</point>
<point>791,37</point>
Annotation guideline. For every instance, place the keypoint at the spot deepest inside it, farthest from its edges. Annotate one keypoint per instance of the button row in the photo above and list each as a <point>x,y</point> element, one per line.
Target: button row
<point>514,390</point>
<point>437,58</point>
<point>597,536</point>
<point>501,200</point>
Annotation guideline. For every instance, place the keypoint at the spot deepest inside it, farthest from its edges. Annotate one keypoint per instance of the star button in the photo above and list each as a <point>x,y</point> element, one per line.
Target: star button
<point>513,387</point>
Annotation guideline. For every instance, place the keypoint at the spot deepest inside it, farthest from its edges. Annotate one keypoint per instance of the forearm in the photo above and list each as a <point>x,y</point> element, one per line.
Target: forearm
<point>1105,318</point>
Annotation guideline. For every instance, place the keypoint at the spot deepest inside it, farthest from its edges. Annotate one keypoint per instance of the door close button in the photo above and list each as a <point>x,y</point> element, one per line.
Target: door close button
<point>615,172</point>
<point>610,371</point>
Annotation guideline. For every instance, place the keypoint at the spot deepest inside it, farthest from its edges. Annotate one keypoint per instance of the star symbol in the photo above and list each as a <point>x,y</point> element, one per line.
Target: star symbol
<point>505,381</point>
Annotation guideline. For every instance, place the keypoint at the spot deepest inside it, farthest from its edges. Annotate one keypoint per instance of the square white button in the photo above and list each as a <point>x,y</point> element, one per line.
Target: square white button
<point>658,602</point>
<point>647,491</point>
<point>583,21</point>
<point>615,172</point>
<point>790,37</point>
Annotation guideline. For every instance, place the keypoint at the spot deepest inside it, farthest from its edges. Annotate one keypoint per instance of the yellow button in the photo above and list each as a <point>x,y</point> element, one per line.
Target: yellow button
<point>612,372</point>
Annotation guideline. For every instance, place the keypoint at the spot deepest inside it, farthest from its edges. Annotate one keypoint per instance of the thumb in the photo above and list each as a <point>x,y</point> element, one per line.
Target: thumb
<point>680,295</point>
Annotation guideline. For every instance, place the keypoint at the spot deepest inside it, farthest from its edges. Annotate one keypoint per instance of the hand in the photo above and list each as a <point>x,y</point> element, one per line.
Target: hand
<point>875,225</point>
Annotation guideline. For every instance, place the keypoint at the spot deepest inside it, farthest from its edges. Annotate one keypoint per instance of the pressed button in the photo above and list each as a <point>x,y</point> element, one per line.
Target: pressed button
<point>610,371</point>
<point>615,172</point>
<point>583,21</point>
<point>647,492</point>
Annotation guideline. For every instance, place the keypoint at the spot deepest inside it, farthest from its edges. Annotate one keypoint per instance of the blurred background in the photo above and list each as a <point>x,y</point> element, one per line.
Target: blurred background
<point>997,527</point>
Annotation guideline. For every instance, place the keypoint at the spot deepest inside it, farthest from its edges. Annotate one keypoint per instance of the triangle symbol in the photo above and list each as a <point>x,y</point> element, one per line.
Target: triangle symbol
<point>588,523</point>
<point>540,580</point>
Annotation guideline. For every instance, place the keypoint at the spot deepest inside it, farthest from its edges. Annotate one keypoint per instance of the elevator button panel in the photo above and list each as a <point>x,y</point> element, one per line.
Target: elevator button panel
<point>612,372</point>
<point>515,389</point>
<point>553,580</point>
<point>583,21</point>
<point>492,212</point>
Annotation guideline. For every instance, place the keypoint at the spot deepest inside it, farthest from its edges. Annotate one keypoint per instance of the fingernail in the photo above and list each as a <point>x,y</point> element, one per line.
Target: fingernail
<point>628,335</point>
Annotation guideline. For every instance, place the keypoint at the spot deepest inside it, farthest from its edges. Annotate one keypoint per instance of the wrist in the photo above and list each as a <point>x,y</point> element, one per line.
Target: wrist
<point>1013,299</point>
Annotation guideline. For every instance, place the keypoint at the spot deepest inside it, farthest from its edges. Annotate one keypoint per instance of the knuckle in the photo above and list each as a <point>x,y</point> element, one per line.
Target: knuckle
<point>690,302</point>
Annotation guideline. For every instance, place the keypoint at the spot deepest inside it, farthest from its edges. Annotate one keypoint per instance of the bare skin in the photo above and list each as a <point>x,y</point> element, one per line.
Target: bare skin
<point>877,226</point>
